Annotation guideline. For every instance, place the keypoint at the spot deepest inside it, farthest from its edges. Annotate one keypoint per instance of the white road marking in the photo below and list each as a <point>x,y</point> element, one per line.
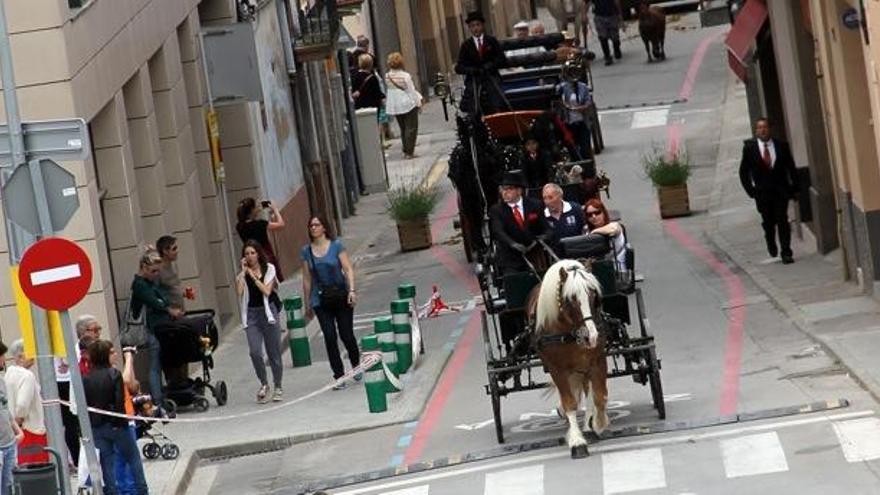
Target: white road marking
<point>416,490</point>
<point>632,109</point>
<point>633,470</point>
<point>650,118</point>
<point>752,455</point>
<point>609,447</point>
<point>475,426</point>
<point>859,438</point>
<point>57,274</point>
<point>528,480</point>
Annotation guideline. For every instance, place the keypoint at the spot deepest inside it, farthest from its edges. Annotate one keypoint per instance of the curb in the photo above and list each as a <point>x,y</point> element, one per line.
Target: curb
<point>777,296</point>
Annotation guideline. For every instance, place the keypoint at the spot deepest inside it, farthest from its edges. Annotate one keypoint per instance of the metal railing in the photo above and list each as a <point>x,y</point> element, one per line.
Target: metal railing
<point>319,25</point>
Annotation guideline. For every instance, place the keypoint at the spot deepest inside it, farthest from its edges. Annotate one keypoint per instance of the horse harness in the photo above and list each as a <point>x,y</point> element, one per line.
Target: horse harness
<point>577,336</point>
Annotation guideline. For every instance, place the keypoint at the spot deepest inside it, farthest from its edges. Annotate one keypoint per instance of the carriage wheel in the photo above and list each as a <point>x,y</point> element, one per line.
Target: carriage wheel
<point>656,384</point>
<point>496,408</point>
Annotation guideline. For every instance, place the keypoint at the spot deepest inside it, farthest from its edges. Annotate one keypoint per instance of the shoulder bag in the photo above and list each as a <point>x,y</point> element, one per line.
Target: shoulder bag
<point>330,296</point>
<point>133,331</point>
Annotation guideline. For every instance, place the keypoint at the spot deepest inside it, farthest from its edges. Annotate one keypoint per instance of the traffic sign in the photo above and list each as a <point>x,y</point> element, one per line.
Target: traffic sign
<point>55,273</point>
<point>66,139</point>
<point>20,201</point>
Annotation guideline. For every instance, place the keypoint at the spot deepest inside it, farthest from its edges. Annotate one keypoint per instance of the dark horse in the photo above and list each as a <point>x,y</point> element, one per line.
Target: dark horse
<point>565,307</point>
<point>652,29</point>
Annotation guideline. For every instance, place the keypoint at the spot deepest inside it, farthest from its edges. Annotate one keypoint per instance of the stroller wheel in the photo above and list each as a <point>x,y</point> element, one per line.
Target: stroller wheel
<point>170,451</point>
<point>221,393</point>
<point>201,404</point>
<point>170,407</point>
<point>152,450</point>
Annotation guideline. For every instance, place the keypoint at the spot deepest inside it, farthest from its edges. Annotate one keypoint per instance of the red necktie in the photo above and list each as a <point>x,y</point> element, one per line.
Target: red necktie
<point>481,47</point>
<point>768,160</point>
<point>517,216</point>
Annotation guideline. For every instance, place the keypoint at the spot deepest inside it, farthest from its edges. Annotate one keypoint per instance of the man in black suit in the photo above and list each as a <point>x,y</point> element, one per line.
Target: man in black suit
<point>768,174</point>
<point>517,222</point>
<point>479,59</point>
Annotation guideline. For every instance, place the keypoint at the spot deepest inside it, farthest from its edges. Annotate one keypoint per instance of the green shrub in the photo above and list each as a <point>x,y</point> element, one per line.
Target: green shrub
<point>413,202</point>
<point>666,169</point>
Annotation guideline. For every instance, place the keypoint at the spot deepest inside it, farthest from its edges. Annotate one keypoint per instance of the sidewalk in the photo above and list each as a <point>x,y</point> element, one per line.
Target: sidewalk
<point>812,291</point>
<point>368,235</point>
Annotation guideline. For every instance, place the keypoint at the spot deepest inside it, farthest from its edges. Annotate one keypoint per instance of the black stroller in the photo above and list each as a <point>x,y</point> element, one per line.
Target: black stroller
<point>191,339</point>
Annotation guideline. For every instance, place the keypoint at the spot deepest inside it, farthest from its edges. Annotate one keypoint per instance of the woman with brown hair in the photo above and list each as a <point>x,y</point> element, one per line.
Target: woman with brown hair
<point>251,226</point>
<point>403,102</point>
<point>328,282</point>
<point>260,305</point>
<point>599,222</point>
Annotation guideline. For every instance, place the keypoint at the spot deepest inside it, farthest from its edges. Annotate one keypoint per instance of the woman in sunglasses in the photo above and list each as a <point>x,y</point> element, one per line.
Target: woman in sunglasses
<point>599,222</point>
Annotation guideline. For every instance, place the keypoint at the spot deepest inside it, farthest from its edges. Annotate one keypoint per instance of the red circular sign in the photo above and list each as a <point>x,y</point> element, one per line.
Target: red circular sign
<point>55,273</point>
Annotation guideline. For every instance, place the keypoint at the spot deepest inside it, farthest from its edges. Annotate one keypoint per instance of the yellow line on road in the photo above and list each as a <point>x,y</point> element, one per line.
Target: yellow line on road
<point>438,170</point>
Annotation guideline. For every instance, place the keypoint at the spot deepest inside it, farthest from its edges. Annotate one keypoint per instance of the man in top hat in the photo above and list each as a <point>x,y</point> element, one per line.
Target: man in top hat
<point>479,59</point>
<point>517,223</point>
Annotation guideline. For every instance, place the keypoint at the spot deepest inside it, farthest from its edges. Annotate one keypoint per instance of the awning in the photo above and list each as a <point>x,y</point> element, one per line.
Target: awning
<point>741,38</point>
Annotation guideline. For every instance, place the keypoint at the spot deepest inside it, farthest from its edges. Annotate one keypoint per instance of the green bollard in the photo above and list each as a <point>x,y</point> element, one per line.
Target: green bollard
<point>374,379</point>
<point>385,334</point>
<point>298,340</point>
<point>408,292</point>
<point>400,322</point>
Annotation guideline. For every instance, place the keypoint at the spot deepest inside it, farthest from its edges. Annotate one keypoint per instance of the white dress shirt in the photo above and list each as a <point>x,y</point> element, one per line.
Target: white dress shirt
<point>769,145</point>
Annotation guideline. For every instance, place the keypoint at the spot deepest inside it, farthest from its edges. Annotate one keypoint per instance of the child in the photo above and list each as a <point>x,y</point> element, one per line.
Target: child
<point>10,434</point>
<point>535,163</point>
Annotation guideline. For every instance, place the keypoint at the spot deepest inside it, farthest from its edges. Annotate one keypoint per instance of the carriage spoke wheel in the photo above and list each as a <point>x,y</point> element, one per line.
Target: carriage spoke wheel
<point>656,385</point>
<point>496,408</point>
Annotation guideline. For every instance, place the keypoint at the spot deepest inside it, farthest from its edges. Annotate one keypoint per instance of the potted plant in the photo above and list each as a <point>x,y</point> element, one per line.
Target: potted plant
<point>669,172</point>
<point>410,206</point>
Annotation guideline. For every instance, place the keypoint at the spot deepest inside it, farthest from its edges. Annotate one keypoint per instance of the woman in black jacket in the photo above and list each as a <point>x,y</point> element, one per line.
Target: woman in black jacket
<point>104,390</point>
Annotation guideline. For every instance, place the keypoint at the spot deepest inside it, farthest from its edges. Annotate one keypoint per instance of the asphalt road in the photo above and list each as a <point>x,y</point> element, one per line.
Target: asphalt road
<point>724,349</point>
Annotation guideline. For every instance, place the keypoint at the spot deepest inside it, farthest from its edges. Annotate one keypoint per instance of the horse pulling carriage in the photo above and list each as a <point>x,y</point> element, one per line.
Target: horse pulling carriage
<point>572,321</point>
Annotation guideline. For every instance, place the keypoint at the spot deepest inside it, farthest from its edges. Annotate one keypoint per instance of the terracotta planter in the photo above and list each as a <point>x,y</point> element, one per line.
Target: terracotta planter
<point>673,201</point>
<point>414,234</point>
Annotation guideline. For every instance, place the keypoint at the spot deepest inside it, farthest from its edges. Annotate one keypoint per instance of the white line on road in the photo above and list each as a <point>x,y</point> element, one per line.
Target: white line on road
<point>632,109</point>
<point>609,447</point>
<point>753,454</point>
<point>859,439</point>
<point>633,470</point>
<point>528,480</point>
<point>58,274</point>
<point>650,118</point>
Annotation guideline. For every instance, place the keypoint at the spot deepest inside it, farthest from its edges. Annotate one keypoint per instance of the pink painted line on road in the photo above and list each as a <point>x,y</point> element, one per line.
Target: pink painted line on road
<point>690,79</point>
<point>673,138</point>
<point>735,321</point>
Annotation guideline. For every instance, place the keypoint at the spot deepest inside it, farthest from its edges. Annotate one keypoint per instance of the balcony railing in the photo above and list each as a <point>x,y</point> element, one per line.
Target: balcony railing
<point>318,31</point>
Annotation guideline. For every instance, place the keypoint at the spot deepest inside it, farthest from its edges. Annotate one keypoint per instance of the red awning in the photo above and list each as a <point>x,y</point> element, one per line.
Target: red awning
<point>742,35</point>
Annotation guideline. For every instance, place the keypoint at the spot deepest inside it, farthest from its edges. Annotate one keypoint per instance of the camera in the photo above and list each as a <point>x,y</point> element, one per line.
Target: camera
<point>266,204</point>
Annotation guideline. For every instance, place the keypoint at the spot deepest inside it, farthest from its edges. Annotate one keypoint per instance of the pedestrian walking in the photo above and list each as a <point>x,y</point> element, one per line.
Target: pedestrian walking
<point>404,102</point>
<point>26,405</point>
<point>10,433</point>
<point>479,59</point>
<point>606,17</point>
<point>769,176</point>
<point>252,225</point>
<point>256,284</point>
<point>146,295</point>
<point>329,281</point>
<point>576,101</point>
<point>105,389</point>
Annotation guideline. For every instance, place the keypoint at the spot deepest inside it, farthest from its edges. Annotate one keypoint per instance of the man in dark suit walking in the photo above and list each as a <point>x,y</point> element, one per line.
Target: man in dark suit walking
<point>517,222</point>
<point>768,174</point>
<point>479,59</point>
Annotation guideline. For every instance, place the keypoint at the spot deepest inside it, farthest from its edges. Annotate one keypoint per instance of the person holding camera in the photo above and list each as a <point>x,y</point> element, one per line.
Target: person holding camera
<point>328,279</point>
<point>251,226</point>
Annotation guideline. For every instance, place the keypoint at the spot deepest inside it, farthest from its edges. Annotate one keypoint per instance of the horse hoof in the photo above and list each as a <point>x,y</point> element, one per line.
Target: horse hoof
<point>579,452</point>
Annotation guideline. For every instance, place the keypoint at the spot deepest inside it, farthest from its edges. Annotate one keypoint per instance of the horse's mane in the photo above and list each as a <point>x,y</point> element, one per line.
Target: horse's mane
<point>578,281</point>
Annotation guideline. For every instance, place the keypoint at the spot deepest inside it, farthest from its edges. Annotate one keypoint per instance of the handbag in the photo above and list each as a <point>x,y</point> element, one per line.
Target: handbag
<point>415,101</point>
<point>133,331</point>
<point>331,297</point>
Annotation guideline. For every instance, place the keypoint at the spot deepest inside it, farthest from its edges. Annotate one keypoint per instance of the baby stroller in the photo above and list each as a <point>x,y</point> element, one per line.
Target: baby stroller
<point>191,339</point>
<point>158,444</point>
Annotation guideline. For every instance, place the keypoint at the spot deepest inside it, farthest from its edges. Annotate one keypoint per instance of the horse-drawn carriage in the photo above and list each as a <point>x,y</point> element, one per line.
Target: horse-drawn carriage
<point>488,146</point>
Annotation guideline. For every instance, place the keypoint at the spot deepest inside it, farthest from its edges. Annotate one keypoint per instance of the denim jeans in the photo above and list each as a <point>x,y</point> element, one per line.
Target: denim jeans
<point>155,369</point>
<point>8,458</point>
<point>118,440</point>
<point>124,473</point>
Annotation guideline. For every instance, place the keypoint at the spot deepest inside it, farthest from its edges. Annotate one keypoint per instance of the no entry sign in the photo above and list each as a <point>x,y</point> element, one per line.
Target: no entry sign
<point>55,273</point>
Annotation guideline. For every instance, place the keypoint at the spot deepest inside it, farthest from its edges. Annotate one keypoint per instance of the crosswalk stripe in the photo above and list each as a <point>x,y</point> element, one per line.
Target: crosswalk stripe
<point>859,438</point>
<point>633,470</point>
<point>527,480</point>
<point>415,490</point>
<point>752,455</point>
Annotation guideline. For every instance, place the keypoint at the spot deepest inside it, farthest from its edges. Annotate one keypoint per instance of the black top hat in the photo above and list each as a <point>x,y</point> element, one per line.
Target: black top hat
<point>475,16</point>
<point>513,178</point>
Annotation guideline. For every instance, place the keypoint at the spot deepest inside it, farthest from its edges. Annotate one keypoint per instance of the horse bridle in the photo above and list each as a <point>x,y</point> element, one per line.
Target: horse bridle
<point>575,336</point>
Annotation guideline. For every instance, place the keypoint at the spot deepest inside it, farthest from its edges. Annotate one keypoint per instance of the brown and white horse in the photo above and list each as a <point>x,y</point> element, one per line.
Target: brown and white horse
<point>566,311</point>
